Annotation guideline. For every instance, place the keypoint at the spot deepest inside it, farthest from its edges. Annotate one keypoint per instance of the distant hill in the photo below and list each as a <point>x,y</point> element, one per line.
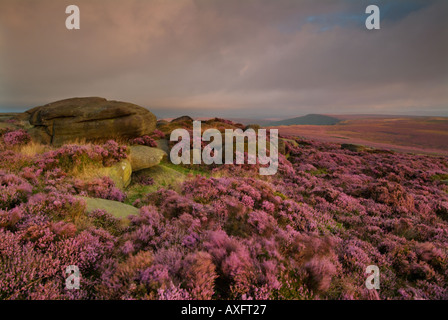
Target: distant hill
<point>310,119</point>
<point>246,121</point>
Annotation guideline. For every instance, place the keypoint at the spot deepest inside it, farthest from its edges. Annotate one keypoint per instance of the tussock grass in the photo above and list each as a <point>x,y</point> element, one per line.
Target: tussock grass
<point>32,149</point>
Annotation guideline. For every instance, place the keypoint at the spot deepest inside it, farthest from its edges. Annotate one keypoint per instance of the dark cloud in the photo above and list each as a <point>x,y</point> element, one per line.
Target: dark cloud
<point>235,58</point>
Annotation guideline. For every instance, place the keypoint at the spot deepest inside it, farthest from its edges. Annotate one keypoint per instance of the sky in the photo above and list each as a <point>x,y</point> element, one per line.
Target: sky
<point>229,58</point>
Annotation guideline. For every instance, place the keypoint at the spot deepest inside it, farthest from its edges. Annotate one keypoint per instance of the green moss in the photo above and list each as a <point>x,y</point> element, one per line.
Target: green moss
<point>281,195</point>
<point>318,172</point>
<point>164,176</point>
<point>138,191</point>
<point>115,208</point>
<point>336,228</point>
<point>439,177</point>
<point>186,170</point>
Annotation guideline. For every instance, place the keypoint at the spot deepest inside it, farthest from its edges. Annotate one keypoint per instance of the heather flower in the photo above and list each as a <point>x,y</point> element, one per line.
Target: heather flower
<point>103,188</point>
<point>69,157</point>
<point>16,138</point>
<point>13,190</point>
<point>262,221</point>
<point>144,141</point>
<point>144,180</point>
<point>158,134</point>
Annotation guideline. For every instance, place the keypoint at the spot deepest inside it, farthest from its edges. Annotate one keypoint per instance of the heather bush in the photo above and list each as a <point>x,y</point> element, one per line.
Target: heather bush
<point>103,188</point>
<point>69,157</point>
<point>104,220</point>
<point>55,206</point>
<point>13,190</point>
<point>144,141</point>
<point>144,180</point>
<point>40,238</point>
<point>158,134</point>
<point>16,138</point>
<point>42,270</point>
<point>13,161</point>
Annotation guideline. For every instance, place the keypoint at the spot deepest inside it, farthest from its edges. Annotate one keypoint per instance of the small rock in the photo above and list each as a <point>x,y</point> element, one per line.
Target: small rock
<point>115,208</point>
<point>120,173</point>
<point>143,157</point>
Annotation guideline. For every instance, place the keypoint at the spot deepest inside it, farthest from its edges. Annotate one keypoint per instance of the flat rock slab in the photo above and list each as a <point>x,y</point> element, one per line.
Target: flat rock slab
<point>89,119</point>
<point>115,208</point>
<point>162,175</point>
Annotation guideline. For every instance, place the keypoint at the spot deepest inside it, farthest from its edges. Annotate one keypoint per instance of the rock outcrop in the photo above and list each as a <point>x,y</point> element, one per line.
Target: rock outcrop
<point>88,119</point>
<point>143,157</point>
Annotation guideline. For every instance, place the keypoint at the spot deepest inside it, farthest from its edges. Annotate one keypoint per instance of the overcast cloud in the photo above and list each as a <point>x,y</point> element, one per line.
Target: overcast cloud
<point>233,58</point>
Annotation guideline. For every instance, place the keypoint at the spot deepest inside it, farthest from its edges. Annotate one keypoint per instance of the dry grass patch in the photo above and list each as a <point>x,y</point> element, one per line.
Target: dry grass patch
<point>33,148</point>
